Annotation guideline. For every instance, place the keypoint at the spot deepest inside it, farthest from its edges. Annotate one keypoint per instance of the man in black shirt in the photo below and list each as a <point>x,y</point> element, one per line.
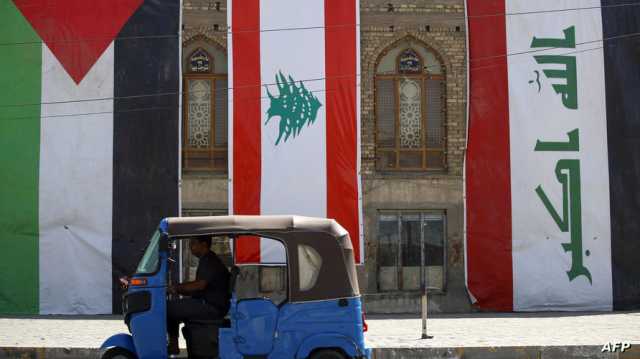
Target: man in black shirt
<point>209,293</point>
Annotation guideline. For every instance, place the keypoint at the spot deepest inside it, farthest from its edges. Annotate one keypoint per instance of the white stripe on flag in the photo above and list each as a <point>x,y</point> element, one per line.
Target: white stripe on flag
<point>230,117</point>
<point>293,172</point>
<point>76,185</point>
<point>358,132</point>
<point>540,263</point>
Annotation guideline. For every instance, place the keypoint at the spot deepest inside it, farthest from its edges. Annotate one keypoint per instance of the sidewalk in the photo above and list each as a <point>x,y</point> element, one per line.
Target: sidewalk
<point>486,336</point>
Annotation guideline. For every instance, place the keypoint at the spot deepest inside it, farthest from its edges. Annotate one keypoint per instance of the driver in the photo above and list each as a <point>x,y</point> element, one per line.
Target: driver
<point>209,293</point>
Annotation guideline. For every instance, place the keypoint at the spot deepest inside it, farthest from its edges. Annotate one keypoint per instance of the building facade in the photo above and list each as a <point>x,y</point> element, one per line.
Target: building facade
<point>413,78</point>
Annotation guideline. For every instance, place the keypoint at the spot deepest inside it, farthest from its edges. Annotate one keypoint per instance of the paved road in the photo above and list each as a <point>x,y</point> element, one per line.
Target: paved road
<point>473,330</point>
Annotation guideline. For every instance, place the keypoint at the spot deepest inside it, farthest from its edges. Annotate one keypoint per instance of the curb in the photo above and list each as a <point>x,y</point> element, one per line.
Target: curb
<point>47,353</point>
<point>546,352</point>
<point>531,352</point>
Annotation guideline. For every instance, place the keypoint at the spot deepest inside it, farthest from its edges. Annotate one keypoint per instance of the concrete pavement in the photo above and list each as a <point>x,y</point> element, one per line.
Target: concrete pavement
<point>472,336</point>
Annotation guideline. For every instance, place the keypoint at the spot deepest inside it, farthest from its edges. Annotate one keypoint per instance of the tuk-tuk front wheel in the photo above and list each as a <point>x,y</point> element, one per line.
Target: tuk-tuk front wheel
<point>118,353</point>
<point>327,354</point>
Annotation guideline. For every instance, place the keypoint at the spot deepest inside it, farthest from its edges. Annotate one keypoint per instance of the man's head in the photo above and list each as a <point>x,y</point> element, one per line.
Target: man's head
<point>200,245</point>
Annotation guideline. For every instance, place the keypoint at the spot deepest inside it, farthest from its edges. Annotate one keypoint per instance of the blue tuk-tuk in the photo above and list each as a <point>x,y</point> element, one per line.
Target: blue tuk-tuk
<point>321,317</point>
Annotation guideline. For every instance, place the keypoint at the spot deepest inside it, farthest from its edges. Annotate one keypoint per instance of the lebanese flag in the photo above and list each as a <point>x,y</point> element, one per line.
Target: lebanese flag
<point>89,150</point>
<point>294,134</point>
<point>553,152</point>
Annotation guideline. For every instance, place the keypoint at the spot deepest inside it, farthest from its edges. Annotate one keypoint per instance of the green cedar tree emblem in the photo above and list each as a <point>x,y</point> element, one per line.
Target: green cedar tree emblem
<point>295,105</point>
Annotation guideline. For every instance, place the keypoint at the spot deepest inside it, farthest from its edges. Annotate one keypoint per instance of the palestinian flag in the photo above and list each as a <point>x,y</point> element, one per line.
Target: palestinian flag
<point>294,133</point>
<point>88,147</point>
<point>553,160</point>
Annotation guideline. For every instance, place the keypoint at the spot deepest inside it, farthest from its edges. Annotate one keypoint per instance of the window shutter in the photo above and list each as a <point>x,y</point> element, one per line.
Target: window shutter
<point>386,113</point>
<point>435,124</point>
<point>435,128</point>
<point>221,103</point>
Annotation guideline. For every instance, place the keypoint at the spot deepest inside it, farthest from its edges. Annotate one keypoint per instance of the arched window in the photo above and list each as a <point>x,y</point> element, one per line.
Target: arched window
<point>410,109</point>
<point>205,101</point>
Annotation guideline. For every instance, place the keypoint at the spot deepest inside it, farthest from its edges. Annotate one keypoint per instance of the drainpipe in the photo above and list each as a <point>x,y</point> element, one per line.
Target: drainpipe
<point>423,280</point>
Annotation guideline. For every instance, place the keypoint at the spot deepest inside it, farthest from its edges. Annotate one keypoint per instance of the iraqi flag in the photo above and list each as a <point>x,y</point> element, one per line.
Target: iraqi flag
<point>88,147</point>
<point>295,126</point>
<point>553,160</point>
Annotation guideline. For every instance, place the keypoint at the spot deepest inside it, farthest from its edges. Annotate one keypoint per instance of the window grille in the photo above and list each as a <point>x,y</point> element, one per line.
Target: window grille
<point>410,109</point>
<point>205,102</point>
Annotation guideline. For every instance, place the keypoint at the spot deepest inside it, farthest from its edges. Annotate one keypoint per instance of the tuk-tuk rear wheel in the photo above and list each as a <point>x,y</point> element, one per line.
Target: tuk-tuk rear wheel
<point>327,354</point>
<point>118,353</point>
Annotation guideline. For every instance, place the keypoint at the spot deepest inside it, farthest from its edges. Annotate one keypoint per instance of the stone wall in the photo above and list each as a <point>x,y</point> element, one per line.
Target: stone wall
<point>440,26</point>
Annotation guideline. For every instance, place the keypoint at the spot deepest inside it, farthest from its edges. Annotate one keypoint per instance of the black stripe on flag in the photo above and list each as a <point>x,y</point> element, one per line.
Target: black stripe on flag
<point>621,25</point>
<point>145,176</point>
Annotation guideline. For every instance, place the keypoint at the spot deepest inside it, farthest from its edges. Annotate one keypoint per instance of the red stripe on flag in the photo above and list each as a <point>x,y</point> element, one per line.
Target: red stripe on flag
<point>341,110</point>
<point>246,119</point>
<point>488,172</point>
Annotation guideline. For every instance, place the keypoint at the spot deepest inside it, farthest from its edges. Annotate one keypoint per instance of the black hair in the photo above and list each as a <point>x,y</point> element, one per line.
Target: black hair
<point>204,239</point>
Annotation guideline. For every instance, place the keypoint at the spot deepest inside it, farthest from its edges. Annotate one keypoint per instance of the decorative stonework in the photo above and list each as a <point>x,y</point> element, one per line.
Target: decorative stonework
<point>205,5</point>
<point>410,114</point>
<point>207,34</point>
<point>199,113</point>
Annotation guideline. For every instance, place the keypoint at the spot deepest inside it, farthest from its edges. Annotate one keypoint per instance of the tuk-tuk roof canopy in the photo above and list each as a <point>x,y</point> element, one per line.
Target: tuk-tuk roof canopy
<point>193,226</point>
<point>329,239</point>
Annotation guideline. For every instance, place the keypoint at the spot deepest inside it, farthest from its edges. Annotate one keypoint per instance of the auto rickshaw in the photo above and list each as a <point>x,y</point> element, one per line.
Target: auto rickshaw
<point>321,317</point>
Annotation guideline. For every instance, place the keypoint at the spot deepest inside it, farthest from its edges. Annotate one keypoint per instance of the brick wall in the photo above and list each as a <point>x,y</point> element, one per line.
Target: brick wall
<point>380,29</point>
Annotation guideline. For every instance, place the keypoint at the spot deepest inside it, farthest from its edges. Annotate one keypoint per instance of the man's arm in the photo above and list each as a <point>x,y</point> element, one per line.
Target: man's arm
<point>188,288</point>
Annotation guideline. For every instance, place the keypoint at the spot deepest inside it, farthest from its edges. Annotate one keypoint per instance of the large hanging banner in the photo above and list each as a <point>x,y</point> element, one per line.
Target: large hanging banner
<point>88,149</point>
<point>295,119</point>
<point>553,160</point>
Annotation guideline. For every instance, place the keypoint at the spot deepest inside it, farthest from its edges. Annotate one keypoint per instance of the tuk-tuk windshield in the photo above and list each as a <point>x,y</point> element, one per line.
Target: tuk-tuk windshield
<point>149,262</point>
